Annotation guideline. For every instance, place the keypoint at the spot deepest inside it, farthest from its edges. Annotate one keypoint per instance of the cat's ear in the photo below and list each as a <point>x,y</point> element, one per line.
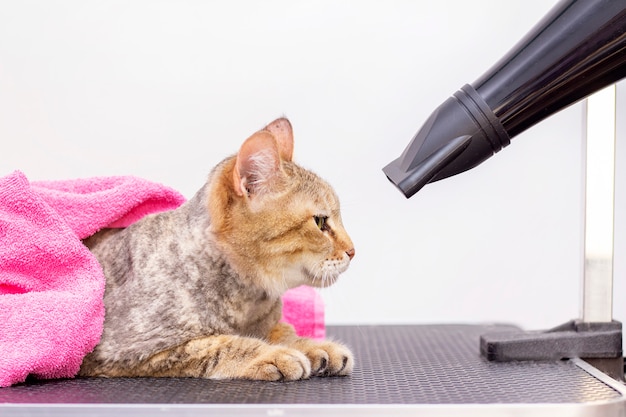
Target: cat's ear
<point>282,131</point>
<point>257,164</point>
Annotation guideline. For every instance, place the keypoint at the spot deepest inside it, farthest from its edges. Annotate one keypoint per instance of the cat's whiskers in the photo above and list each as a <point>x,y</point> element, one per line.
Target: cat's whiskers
<point>319,275</point>
<point>325,277</point>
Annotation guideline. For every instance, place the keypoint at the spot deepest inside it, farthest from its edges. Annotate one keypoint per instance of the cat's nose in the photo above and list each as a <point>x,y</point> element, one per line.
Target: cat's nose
<point>350,253</point>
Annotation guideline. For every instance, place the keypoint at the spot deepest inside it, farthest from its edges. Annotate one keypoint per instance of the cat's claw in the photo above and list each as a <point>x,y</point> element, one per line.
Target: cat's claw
<point>319,361</point>
<point>341,361</point>
<point>330,359</point>
<point>323,366</point>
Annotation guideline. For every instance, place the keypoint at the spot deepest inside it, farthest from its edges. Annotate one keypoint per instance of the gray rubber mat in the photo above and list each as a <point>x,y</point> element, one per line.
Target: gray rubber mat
<point>437,364</point>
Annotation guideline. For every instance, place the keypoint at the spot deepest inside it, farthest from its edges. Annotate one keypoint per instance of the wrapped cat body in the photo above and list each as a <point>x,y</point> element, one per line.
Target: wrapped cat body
<point>196,291</point>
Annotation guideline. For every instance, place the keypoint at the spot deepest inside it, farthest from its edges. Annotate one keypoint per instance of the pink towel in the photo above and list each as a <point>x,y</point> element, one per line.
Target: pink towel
<point>51,287</point>
<point>303,308</point>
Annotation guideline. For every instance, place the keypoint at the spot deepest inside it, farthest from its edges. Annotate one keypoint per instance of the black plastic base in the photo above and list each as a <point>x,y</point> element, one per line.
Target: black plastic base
<point>574,339</point>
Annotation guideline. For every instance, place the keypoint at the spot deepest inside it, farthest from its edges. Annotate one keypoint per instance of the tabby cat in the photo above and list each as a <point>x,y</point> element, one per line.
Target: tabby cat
<point>196,292</point>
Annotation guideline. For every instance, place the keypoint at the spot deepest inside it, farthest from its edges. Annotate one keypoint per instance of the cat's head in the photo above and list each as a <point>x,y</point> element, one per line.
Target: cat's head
<point>277,223</point>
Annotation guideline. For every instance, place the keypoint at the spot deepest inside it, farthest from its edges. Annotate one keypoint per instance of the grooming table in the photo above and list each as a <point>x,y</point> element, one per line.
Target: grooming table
<point>414,370</point>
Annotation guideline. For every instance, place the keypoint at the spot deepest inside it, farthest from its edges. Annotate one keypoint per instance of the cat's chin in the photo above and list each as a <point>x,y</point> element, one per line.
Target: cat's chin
<point>325,283</point>
<point>320,279</point>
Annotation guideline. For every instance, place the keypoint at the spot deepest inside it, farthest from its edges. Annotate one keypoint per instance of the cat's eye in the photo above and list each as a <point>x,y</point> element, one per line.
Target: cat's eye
<point>320,221</point>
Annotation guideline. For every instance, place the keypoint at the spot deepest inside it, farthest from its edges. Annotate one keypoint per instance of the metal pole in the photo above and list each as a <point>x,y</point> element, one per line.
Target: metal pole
<point>599,190</point>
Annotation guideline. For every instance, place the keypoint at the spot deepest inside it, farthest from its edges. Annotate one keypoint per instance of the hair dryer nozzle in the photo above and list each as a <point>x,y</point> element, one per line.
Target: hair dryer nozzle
<point>411,181</point>
<point>578,48</point>
<point>460,134</point>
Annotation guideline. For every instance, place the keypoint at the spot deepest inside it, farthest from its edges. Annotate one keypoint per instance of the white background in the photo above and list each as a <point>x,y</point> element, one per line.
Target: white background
<point>166,89</point>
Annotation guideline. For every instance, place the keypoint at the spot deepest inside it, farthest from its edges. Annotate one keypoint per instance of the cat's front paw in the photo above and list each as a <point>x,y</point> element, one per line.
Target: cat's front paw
<point>329,359</point>
<point>280,364</point>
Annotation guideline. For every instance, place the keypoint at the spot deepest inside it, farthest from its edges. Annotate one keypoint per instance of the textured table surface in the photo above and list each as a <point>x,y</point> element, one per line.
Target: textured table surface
<point>436,364</point>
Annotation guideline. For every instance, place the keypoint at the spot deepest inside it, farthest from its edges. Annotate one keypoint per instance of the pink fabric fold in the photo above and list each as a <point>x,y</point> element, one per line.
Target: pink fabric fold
<point>51,286</point>
<point>90,204</point>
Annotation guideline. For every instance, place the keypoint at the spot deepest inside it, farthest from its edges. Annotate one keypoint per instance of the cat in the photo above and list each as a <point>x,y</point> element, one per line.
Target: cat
<point>196,291</point>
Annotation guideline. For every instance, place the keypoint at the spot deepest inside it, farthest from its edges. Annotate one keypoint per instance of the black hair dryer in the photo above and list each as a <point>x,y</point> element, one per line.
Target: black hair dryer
<point>578,48</point>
